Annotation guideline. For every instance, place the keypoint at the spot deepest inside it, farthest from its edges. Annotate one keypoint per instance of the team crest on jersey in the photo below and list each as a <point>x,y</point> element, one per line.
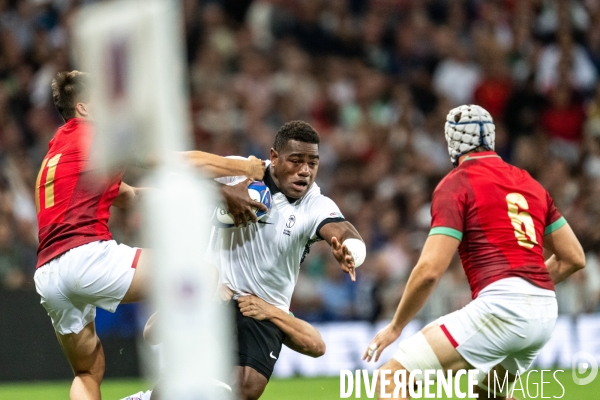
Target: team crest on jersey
<point>291,221</point>
<point>289,224</point>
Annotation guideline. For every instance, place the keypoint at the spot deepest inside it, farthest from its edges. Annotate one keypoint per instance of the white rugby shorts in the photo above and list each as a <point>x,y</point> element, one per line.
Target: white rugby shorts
<point>72,285</point>
<point>499,328</point>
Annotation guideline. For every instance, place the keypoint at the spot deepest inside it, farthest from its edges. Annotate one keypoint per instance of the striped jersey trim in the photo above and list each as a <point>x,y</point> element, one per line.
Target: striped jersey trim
<point>470,157</point>
<point>443,230</point>
<point>559,223</point>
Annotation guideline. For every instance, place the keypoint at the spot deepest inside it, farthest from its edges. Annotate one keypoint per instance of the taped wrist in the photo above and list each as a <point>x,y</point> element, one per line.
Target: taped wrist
<point>357,248</point>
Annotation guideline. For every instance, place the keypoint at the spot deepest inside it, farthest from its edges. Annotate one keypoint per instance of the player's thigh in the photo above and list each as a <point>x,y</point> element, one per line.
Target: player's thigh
<point>259,343</point>
<point>482,336</point>
<point>537,332</point>
<point>139,286</point>
<point>98,273</point>
<point>495,385</point>
<point>83,351</point>
<point>429,349</point>
<point>251,383</point>
<point>447,355</point>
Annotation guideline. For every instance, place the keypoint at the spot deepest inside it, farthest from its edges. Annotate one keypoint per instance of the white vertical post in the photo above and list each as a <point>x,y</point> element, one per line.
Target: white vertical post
<point>133,50</point>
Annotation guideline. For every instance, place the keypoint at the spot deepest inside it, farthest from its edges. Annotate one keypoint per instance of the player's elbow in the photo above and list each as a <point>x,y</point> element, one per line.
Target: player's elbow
<point>577,260</point>
<point>428,274</point>
<point>574,257</point>
<point>316,349</point>
<point>149,333</point>
<point>313,345</point>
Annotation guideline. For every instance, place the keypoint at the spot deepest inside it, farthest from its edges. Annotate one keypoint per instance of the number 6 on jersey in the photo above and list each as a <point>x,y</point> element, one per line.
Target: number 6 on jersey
<point>527,237</point>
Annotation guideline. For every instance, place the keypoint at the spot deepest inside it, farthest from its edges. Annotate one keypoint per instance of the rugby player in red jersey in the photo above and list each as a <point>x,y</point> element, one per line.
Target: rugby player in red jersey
<point>500,220</point>
<point>79,267</point>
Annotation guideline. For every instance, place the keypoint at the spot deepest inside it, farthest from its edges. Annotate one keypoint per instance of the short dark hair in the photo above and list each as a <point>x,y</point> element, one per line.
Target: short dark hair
<point>68,89</point>
<point>295,130</point>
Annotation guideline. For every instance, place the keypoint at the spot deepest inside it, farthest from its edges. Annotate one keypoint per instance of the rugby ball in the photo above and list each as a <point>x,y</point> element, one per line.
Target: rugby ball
<point>257,191</point>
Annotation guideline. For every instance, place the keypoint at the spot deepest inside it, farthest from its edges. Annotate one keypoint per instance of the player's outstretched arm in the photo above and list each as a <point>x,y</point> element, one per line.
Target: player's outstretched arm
<point>127,195</point>
<point>347,246</point>
<point>216,166</point>
<point>300,335</point>
<point>434,261</point>
<point>568,256</point>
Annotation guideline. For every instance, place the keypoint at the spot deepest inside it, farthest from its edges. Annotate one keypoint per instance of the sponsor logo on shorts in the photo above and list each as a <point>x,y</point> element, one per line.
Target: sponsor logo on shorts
<point>272,356</point>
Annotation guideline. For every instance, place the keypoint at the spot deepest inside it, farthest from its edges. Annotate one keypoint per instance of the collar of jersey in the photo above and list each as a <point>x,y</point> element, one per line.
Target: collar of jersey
<point>268,180</point>
<point>483,154</point>
<point>76,120</point>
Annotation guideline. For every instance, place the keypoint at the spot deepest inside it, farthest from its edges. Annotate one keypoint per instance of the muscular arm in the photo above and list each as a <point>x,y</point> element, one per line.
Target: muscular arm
<point>216,166</point>
<point>300,335</point>
<point>127,195</point>
<point>335,233</point>
<point>567,254</point>
<point>434,261</point>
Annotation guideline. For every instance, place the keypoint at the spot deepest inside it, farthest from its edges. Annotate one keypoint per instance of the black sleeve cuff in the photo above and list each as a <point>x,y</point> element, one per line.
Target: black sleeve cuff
<point>327,221</point>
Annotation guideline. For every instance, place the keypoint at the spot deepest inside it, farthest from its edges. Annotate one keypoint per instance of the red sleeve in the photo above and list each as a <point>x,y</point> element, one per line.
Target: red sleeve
<point>448,207</point>
<point>554,219</point>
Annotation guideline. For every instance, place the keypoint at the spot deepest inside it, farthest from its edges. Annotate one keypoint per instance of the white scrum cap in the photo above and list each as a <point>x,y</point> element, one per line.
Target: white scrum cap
<point>468,127</point>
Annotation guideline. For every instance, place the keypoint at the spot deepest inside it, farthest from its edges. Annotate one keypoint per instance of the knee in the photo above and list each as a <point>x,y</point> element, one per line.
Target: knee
<point>387,385</point>
<point>250,390</point>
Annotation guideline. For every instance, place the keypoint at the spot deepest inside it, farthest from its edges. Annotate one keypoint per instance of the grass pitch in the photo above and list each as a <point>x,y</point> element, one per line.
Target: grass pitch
<point>298,389</point>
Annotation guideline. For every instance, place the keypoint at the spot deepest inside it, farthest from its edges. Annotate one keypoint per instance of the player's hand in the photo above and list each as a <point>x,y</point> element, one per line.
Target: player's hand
<point>344,257</point>
<point>254,307</point>
<point>239,204</point>
<point>383,339</point>
<point>256,168</point>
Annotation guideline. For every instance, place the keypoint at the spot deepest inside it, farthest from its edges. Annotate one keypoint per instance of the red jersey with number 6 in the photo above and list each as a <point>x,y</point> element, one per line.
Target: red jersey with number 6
<point>500,214</point>
<point>72,200</point>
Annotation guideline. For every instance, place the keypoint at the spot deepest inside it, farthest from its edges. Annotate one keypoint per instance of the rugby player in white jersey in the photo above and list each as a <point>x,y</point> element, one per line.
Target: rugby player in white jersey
<point>264,259</point>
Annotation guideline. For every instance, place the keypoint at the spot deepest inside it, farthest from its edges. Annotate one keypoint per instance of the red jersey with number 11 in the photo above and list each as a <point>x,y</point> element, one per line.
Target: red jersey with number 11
<point>500,214</point>
<point>72,201</point>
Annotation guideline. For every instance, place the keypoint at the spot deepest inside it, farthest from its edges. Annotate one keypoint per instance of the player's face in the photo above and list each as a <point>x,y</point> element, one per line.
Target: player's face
<point>295,167</point>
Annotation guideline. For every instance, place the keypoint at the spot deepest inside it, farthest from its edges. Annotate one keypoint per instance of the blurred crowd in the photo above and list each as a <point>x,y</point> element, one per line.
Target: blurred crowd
<point>376,79</point>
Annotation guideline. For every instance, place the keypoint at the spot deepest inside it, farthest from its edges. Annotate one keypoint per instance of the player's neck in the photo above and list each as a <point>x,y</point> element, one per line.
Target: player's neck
<point>471,154</point>
<point>462,158</point>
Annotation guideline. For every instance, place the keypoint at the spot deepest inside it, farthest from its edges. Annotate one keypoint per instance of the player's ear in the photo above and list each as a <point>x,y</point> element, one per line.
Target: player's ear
<point>274,155</point>
<point>82,109</point>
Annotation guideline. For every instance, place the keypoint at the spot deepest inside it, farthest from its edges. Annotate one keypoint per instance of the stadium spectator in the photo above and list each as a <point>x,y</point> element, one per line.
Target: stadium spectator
<point>374,78</point>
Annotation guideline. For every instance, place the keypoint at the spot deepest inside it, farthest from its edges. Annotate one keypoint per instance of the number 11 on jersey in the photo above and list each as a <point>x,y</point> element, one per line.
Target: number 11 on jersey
<point>51,165</point>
